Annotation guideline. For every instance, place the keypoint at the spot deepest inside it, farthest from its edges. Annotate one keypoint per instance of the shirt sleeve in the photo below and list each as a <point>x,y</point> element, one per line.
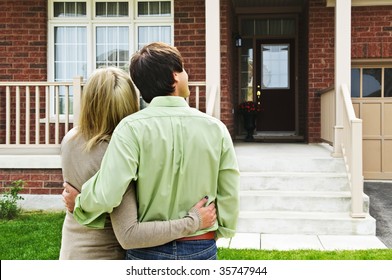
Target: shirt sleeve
<point>132,234</point>
<point>227,200</point>
<point>104,191</point>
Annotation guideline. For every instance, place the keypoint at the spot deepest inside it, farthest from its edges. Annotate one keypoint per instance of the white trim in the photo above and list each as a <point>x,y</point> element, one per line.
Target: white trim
<point>363,3</point>
<point>342,65</point>
<point>30,161</point>
<point>213,54</point>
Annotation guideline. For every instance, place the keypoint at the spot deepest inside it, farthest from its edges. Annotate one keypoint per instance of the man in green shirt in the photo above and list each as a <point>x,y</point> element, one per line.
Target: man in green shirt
<point>175,153</point>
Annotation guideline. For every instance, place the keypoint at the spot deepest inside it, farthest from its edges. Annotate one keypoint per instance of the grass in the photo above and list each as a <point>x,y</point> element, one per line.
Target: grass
<point>32,236</point>
<point>37,236</point>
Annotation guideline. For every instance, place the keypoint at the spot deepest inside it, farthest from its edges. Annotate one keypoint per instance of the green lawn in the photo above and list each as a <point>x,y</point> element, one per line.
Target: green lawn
<point>37,236</point>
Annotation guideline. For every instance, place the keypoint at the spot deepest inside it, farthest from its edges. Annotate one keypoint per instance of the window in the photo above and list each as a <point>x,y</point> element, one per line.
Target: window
<point>86,35</point>
<point>371,82</point>
<point>154,8</point>
<point>275,61</point>
<point>268,27</point>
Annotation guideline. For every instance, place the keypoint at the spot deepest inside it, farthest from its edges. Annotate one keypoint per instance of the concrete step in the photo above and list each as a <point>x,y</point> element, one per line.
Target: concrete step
<point>295,164</point>
<point>319,223</point>
<point>298,201</point>
<point>288,181</point>
<point>296,189</point>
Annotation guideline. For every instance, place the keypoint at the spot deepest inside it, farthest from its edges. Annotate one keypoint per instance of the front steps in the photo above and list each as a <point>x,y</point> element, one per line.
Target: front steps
<point>296,189</point>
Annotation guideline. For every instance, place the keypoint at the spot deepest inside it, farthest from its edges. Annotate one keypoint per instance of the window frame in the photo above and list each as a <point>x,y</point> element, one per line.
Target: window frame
<point>91,22</point>
<point>371,64</point>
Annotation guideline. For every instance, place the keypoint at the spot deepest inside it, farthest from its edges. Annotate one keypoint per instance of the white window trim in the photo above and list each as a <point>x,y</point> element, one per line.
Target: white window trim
<point>90,22</point>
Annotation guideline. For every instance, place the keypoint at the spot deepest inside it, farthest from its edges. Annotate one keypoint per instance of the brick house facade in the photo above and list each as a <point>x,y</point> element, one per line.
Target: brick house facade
<point>24,57</point>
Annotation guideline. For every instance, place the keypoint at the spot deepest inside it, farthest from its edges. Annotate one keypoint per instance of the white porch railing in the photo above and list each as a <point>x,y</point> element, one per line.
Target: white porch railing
<point>34,122</point>
<point>351,142</point>
<point>212,102</point>
<point>33,119</point>
<point>352,152</point>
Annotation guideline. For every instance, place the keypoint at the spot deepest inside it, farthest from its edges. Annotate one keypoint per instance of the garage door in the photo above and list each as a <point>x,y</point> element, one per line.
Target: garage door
<point>373,105</point>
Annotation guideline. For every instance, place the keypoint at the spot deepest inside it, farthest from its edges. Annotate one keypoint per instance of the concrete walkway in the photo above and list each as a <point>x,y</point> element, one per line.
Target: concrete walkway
<point>294,242</point>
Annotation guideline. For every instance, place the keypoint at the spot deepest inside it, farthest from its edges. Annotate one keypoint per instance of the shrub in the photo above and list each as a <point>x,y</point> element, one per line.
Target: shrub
<point>9,208</point>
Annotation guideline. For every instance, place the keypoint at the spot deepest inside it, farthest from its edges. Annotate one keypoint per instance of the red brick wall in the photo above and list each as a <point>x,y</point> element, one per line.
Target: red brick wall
<point>47,181</point>
<point>23,40</point>
<point>228,65</point>
<point>321,61</point>
<point>371,32</point>
<point>189,38</point>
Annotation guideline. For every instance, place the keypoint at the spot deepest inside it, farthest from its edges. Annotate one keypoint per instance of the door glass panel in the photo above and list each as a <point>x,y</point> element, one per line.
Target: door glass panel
<point>388,82</point>
<point>275,70</point>
<point>371,82</point>
<point>247,70</point>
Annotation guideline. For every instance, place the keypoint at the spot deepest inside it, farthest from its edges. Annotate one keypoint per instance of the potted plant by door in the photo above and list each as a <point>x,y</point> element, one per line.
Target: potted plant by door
<point>249,110</point>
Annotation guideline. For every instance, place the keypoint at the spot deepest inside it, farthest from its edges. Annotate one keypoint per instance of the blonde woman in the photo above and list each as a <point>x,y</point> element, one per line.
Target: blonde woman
<point>108,97</point>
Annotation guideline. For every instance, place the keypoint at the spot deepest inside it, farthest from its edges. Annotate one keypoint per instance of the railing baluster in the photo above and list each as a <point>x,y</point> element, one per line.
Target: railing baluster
<point>47,114</point>
<point>197,97</point>
<point>66,113</point>
<point>57,115</point>
<point>8,116</point>
<point>17,116</point>
<point>37,115</point>
<point>27,141</point>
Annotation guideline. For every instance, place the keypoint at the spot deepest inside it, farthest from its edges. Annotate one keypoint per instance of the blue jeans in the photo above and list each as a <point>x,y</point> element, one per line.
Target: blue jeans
<point>177,250</point>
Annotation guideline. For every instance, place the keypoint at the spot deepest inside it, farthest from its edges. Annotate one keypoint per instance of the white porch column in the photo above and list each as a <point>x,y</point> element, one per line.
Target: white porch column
<point>342,64</point>
<point>213,56</point>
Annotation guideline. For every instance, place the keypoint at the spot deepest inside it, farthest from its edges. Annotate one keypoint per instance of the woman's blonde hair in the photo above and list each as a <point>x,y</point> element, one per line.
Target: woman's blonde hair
<point>108,96</point>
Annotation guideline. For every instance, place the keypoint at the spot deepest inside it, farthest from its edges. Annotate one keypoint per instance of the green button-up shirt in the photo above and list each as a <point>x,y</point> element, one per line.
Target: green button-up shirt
<point>177,155</point>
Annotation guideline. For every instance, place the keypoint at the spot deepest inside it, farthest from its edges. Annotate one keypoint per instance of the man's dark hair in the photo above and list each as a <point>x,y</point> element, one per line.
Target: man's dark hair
<point>152,68</point>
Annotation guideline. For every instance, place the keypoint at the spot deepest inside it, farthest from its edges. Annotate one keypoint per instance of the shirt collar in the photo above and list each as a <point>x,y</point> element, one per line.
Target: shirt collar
<point>169,101</point>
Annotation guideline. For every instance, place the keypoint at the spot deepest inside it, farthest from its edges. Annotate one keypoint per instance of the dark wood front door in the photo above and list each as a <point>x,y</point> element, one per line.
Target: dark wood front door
<point>275,85</point>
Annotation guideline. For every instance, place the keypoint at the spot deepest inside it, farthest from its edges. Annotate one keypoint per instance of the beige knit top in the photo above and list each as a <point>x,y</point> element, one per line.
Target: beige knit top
<point>122,229</point>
